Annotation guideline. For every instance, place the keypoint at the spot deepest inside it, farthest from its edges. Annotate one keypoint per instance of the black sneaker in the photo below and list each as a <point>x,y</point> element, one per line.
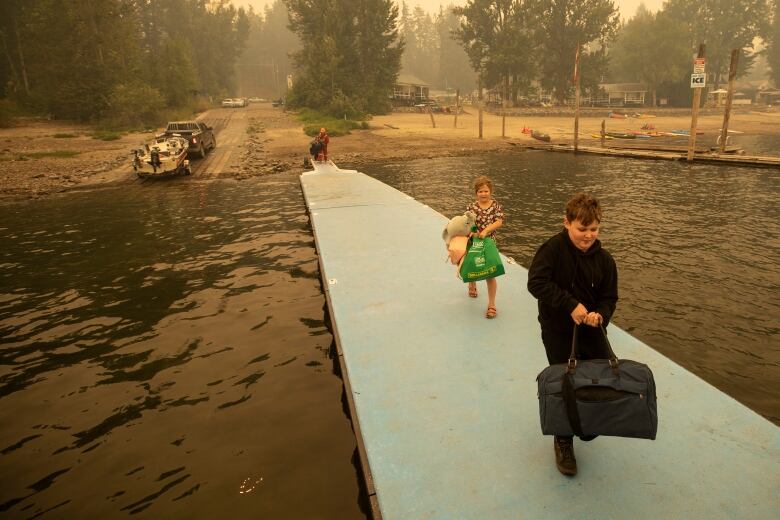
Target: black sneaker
<point>564,456</point>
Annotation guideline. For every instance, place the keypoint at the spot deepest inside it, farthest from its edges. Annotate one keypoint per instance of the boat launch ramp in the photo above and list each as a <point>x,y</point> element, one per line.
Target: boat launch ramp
<point>443,401</point>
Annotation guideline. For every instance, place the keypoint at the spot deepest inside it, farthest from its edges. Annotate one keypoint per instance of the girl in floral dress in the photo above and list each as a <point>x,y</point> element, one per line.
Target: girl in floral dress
<point>490,217</point>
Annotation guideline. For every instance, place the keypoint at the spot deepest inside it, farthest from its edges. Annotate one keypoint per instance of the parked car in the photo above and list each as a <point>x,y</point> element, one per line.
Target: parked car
<point>227,103</point>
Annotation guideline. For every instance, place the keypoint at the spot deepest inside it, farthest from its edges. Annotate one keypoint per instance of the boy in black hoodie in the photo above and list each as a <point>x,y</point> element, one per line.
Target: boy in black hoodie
<point>575,281</point>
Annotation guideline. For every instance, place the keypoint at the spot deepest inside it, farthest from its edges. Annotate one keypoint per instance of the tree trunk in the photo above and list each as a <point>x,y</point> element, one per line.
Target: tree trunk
<point>654,98</point>
<point>14,74</point>
<point>21,59</point>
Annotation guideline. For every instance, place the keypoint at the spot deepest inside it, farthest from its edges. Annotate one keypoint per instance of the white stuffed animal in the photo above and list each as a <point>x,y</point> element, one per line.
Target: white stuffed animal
<point>459,226</point>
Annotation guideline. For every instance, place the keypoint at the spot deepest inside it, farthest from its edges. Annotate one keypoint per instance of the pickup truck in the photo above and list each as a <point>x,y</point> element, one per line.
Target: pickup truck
<point>200,135</point>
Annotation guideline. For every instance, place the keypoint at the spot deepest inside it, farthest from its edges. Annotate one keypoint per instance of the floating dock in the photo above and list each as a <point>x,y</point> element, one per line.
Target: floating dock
<point>663,153</point>
<point>443,401</point>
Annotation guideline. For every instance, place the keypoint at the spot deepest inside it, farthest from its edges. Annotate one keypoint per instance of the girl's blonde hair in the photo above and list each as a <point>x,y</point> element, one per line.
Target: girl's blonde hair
<point>482,181</point>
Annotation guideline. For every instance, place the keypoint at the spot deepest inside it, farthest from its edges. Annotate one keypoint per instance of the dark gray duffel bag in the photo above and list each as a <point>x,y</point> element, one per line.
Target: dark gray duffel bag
<point>598,397</point>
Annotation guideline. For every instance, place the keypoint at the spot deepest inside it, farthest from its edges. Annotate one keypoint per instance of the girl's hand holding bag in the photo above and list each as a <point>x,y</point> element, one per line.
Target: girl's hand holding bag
<point>482,260</point>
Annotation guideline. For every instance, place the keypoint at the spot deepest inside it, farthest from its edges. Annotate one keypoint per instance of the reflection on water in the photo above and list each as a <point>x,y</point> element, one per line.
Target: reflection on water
<point>164,352</point>
<point>697,247</point>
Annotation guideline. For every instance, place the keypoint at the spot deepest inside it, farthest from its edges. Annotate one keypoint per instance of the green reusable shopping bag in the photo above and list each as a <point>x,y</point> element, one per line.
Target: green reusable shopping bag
<point>482,261</point>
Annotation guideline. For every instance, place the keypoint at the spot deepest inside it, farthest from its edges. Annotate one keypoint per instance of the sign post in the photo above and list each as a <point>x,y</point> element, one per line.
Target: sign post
<point>698,81</point>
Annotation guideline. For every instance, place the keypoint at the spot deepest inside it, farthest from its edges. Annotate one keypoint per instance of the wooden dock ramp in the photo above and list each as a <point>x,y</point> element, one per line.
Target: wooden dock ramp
<point>444,401</point>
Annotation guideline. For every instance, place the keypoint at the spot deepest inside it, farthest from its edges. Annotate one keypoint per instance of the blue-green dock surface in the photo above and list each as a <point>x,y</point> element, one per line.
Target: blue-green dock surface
<point>444,401</point>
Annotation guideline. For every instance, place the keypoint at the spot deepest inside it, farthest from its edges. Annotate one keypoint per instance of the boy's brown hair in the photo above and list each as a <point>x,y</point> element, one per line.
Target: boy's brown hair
<point>583,207</point>
<point>482,181</point>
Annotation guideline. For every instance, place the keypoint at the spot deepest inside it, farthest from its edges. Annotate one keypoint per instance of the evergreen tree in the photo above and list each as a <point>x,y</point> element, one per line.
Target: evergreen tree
<point>83,58</point>
<point>560,25</point>
<point>773,45</point>
<point>652,49</point>
<point>454,70</point>
<point>496,37</point>
<point>350,57</point>
<point>722,25</point>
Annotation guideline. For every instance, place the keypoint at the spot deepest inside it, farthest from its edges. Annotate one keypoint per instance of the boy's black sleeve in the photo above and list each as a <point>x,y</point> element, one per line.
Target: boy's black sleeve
<point>609,290</point>
<point>541,284</point>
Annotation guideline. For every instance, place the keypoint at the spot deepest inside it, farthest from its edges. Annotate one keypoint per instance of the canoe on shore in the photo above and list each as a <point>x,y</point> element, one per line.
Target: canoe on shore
<point>540,136</point>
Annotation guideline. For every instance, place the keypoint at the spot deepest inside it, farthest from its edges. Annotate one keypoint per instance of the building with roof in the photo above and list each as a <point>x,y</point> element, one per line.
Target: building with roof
<point>409,90</point>
<point>621,95</point>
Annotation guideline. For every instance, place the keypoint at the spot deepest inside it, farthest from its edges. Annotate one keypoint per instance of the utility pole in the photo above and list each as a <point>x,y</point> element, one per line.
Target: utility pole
<point>724,132</point>
<point>698,81</point>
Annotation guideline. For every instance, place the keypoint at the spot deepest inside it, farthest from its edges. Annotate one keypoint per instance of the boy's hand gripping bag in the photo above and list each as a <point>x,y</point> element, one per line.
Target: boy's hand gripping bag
<point>482,261</point>
<point>598,397</point>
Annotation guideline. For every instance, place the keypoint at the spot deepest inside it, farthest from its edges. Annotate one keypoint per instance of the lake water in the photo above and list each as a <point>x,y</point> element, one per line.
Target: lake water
<point>697,248</point>
<point>165,351</point>
<point>165,355</point>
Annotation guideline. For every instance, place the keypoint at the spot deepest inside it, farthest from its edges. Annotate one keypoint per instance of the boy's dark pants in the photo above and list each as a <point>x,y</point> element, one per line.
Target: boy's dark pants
<point>557,345</point>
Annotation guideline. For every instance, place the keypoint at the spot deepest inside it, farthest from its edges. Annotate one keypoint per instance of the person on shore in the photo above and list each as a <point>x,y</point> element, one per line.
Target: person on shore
<point>324,140</point>
<point>490,217</point>
<point>576,283</point>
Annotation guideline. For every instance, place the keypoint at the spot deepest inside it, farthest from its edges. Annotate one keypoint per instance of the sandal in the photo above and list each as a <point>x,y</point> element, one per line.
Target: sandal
<point>472,291</point>
<point>491,313</point>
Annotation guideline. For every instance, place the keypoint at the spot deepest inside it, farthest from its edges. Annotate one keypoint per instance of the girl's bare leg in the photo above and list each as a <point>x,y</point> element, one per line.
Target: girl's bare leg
<point>492,286</point>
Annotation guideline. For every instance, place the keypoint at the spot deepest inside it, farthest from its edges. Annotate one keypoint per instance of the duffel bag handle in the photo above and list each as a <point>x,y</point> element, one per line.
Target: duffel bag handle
<point>613,360</point>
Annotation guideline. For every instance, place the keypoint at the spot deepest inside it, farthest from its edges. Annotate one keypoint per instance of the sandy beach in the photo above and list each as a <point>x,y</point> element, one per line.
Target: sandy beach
<point>39,157</point>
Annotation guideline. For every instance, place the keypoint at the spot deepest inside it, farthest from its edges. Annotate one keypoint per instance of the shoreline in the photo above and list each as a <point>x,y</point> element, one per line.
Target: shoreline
<point>44,158</point>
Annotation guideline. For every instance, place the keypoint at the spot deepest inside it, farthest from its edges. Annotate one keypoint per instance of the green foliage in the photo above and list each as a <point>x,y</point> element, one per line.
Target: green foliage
<point>497,39</point>
<point>351,50</point>
<point>773,45</point>
<point>722,25</point>
<point>314,120</point>
<point>652,49</point>
<point>65,136</point>
<point>559,26</point>
<point>135,105</point>
<point>72,58</point>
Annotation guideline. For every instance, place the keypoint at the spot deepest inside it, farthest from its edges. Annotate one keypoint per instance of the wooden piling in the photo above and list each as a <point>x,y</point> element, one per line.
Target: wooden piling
<point>724,132</point>
<point>457,108</point>
<point>695,111</point>
<point>576,80</point>
<point>603,132</point>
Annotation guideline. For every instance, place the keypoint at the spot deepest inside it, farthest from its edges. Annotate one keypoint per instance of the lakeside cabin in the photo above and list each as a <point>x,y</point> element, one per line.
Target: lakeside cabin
<point>410,90</point>
<point>621,95</point>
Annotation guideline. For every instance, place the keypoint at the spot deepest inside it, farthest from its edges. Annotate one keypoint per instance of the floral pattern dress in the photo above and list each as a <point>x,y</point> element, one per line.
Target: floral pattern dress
<point>485,217</point>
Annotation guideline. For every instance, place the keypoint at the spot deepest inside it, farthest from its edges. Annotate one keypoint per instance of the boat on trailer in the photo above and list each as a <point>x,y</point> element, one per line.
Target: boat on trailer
<point>166,156</point>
